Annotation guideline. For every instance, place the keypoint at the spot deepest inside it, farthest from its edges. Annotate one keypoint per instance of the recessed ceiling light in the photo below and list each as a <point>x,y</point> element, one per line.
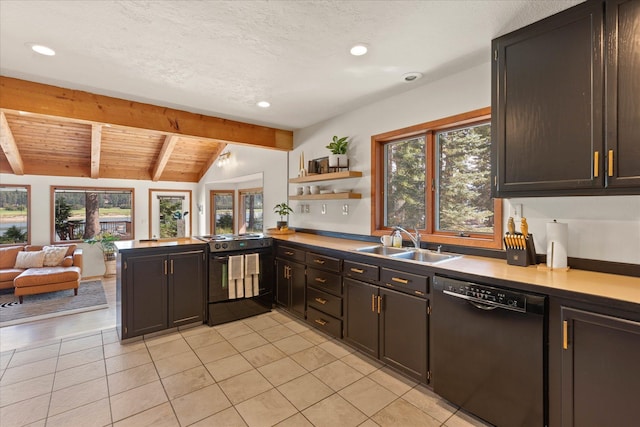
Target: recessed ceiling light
<point>410,77</point>
<point>42,50</point>
<point>263,104</point>
<point>359,49</point>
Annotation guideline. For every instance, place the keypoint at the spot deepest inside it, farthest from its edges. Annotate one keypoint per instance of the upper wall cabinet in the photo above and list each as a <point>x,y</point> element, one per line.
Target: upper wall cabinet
<point>563,122</point>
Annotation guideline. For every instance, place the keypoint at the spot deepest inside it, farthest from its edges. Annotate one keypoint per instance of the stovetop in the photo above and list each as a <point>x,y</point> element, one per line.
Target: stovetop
<point>228,237</point>
<point>235,242</point>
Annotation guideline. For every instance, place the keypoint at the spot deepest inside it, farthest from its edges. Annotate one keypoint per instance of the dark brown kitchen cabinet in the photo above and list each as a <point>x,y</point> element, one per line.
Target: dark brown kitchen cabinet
<point>290,286</point>
<point>324,293</point>
<point>550,113</point>
<point>361,316</point>
<point>600,374</point>
<point>159,289</point>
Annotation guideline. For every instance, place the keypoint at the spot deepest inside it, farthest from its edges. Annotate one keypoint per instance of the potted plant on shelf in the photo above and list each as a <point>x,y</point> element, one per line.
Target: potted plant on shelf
<point>338,156</point>
<point>283,210</point>
<point>106,240</point>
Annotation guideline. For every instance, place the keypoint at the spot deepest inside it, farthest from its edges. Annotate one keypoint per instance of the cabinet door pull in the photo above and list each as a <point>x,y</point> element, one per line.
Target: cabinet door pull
<point>379,303</point>
<point>165,267</point>
<point>399,280</point>
<point>610,172</point>
<point>321,280</point>
<point>171,266</point>
<point>318,261</point>
<point>289,253</point>
<point>373,303</point>
<point>357,270</point>
<point>321,301</point>
<point>596,164</point>
<point>320,322</point>
<point>565,334</point>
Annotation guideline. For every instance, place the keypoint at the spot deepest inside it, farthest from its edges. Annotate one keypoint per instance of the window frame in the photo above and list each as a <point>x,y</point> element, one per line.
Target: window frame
<point>241,208</point>
<point>153,219</point>
<point>28,188</point>
<point>378,179</point>
<point>212,217</point>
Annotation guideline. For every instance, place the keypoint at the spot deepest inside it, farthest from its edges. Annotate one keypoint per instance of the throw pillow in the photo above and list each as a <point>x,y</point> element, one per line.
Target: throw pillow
<point>53,255</point>
<point>30,259</point>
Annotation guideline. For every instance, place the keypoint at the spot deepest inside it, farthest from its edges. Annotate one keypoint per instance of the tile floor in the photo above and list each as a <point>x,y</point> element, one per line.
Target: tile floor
<point>263,371</point>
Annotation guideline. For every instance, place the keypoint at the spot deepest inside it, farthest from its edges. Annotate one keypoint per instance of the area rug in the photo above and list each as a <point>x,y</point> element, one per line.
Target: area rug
<point>51,304</point>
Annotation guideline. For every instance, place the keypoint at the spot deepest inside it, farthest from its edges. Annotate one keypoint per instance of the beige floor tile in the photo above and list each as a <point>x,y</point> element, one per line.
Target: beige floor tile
<point>247,342</point>
<point>186,382</point>
<point>168,349</point>
<point>369,423</point>
<point>203,337</point>
<point>276,333</point>
<point>296,326</point>
<point>313,358</point>
<point>178,363</point>
<point>34,354</point>
<point>79,374</point>
<point>244,386</point>
<point>337,349</point>
<point>127,361</point>
<point>188,332</point>
<point>305,391</point>
<point>293,344</point>
<point>79,358</point>
<point>297,420</point>
<point>362,363</point>
<point>158,416</point>
<point>24,390</point>
<point>337,375</point>
<point>392,380</point>
<point>282,371</point>
<point>430,403</point>
<point>266,409</point>
<point>402,413</point>
<point>137,400</point>
<point>334,411</point>
<point>368,396</point>
<point>234,329</point>
<point>5,357</point>
<point>78,395</point>
<point>261,322</point>
<point>162,337</point>
<point>200,404</point>
<point>464,419</point>
<point>25,412</point>
<point>314,336</point>
<point>96,414</point>
<point>28,371</point>
<point>228,367</point>
<point>109,336</point>
<point>227,418</point>
<point>216,351</point>
<point>262,355</point>
<point>116,348</point>
<point>78,344</point>
<point>280,317</point>
<point>131,378</point>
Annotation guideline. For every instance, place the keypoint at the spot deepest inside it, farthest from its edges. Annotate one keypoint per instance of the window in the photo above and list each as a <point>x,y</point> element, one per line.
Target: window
<point>251,211</point>
<point>436,177</point>
<point>82,213</point>
<point>14,214</point>
<point>222,211</point>
<point>169,213</point>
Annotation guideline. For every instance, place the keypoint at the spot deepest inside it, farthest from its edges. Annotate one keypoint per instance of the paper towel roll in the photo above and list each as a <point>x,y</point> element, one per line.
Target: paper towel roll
<point>557,244</point>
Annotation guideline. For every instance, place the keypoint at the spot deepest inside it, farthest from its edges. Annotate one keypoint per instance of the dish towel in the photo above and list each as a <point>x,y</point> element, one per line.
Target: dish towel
<point>251,275</point>
<point>236,273</point>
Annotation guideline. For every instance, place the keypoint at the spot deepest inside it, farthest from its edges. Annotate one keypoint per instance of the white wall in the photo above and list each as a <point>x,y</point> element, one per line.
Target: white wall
<point>600,228</point>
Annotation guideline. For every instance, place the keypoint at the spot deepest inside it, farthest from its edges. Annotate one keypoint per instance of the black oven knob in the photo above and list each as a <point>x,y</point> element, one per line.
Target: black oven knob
<point>225,246</point>
<point>217,245</point>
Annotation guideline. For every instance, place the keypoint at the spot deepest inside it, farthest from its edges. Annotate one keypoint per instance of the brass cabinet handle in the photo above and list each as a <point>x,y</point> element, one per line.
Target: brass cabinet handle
<point>418,293</point>
<point>288,253</point>
<point>596,164</point>
<point>379,303</point>
<point>373,303</point>
<point>357,270</point>
<point>318,261</point>
<point>399,280</point>
<point>320,322</point>
<point>165,267</point>
<point>321,280</point>
<point>565,335</point>
<point>321,301</point>
<point>171,266</point>
<point>610,172</point>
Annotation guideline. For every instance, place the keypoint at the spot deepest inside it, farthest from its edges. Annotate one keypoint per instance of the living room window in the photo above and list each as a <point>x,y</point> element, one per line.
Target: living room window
<point>251,213</point>
<point>436,177</point>
<point>80,213</point>
<point>222,217</point>
<point>14,214</point>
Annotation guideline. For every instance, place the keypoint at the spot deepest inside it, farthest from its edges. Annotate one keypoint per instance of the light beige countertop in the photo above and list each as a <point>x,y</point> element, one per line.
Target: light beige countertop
<point>623,288</point>
<point>124,245</point>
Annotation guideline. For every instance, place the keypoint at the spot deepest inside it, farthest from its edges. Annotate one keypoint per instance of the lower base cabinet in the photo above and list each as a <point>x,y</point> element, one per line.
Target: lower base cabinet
<point>290,286</point>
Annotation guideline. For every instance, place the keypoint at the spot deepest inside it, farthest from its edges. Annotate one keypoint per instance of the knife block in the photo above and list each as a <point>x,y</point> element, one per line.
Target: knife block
<point>521,257</point>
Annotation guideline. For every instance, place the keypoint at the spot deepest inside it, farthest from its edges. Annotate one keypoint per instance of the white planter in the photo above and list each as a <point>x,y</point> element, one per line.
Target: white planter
<point>336,160</point>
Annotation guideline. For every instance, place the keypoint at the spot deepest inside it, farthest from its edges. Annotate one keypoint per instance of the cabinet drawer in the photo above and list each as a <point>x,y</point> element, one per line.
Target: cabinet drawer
<point>286,252</point>
<point>326,323</point>
<point>325,302</point>
<point>405,282</point>
<point>322,261</point>
<point>360,271</point>
<point>324,280</point>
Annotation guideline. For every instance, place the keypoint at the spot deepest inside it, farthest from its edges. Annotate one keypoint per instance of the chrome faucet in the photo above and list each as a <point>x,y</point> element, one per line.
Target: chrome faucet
<point>415,239</point>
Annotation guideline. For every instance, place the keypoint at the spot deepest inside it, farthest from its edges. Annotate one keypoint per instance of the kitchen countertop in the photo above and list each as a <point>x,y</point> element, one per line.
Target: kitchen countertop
<point>618,287</point>
<point>124,245</point>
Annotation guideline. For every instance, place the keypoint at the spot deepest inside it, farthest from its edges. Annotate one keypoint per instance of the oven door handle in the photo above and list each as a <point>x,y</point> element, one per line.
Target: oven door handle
<point>221,258</point>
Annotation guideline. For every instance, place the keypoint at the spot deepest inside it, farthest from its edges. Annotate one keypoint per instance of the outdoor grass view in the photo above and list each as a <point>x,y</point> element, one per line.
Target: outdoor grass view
<point>14,202</point>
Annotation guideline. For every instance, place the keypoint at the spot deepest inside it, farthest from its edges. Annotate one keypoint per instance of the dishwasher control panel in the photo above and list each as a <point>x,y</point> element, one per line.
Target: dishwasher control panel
<point>484,294</point>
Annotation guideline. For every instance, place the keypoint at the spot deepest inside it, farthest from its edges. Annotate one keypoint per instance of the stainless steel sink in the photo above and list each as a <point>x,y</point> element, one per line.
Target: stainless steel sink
<point>426,256</point>
<point>383,250</point>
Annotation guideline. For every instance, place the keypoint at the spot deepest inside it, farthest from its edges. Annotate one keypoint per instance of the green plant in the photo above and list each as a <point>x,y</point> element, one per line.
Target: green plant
<point>283,210</point>
<point>106,241</point>
<point>338,145</point>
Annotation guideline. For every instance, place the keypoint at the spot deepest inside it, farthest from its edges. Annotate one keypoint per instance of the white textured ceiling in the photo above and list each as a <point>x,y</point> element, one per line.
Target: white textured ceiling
<point>220,57</point>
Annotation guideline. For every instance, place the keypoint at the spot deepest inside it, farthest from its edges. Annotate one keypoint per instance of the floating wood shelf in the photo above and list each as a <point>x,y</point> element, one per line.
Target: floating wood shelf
<point>326,177</point>
<point>326,196</point>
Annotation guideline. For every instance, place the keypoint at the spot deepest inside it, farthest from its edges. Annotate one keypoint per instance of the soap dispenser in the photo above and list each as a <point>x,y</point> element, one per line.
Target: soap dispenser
<point>397,239</point>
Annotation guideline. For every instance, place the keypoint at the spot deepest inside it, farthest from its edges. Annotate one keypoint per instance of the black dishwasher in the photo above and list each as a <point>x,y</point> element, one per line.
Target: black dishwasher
<point>488,351</point>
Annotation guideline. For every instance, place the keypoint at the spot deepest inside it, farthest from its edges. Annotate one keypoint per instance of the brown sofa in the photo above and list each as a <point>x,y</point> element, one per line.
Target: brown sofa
<point>37,280</point>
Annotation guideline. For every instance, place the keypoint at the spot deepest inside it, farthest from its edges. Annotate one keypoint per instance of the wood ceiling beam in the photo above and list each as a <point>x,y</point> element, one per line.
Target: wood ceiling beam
<point>96,142</point>
<point>22,95</point>
<point>220,148</point>
<point>9,147</point>
<point>165,154</point>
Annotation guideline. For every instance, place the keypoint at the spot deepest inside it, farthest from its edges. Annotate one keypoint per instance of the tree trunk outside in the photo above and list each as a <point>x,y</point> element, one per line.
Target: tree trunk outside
<point>92,220</point>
